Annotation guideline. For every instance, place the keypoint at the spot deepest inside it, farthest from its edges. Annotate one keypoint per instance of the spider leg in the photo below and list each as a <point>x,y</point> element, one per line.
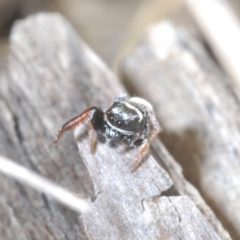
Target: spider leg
<point>156,127</point>
<point>114,142</point>
<point>121,97</point>
<point>74,122</point>
<point>141,152</point>
<point>101,137</point>
<point>92,137</point>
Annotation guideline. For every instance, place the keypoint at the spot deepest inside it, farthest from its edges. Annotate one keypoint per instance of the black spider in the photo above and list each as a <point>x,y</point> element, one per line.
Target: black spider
<point>131,122</point>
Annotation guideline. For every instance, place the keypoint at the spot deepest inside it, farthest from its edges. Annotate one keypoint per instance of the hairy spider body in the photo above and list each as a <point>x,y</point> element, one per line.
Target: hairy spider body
<point>131,122</point>
<point>121,122</point>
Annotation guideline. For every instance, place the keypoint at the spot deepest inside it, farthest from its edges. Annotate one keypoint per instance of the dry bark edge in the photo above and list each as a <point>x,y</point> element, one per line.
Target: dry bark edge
<point>43,90</point>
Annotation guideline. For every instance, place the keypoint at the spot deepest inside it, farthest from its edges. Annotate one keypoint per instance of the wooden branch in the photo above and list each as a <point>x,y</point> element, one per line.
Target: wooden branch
<point>43,185</point>
<point>222,31</point>
<point>53,75</point>
<point>199,112</point>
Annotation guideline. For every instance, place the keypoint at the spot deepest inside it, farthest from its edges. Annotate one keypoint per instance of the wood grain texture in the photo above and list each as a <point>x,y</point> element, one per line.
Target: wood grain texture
<point>51,76</point>
<point>222,34</point>
<point>198,109</point>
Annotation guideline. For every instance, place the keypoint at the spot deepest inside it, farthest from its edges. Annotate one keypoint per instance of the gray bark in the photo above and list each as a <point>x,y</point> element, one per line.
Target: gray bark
<point>51,76</point>
<point>198,108</point>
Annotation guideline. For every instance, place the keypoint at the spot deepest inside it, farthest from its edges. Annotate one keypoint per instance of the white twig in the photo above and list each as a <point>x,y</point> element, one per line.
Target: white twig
<point>221,28</point>
<point>43,185</point>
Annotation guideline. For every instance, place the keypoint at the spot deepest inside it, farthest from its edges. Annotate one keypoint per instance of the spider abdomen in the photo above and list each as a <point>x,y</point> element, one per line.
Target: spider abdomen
<point>125,118</point>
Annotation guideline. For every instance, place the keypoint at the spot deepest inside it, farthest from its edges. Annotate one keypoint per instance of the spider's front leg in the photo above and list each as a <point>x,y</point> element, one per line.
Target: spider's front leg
<point>74,122</point>
<point>92,137</point>
<point>141,153</point>
<point>156,129</point>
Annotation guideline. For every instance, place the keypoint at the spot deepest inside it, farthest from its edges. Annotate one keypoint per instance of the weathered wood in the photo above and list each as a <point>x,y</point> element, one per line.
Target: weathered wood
<point>199,111</point>
<point>42,89</point>
<point>222,33</point>
<point>43,185</point>
<point>53,75</point>
<point>11,10</point>
<point>183,187</point>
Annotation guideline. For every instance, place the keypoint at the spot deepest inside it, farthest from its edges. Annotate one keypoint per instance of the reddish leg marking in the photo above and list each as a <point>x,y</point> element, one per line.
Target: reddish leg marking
<point>145,146</point>
<point>74,122</point>
<point>156,127</point>
<point>92,137</point>
<point>142,150</point>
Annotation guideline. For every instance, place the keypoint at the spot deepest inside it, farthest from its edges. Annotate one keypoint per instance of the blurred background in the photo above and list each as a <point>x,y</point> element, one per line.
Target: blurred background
<point>111,28</point>
<point>108,26</point>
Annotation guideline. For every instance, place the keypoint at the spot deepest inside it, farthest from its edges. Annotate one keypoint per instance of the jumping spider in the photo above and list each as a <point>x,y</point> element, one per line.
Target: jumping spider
<point>129,121</point>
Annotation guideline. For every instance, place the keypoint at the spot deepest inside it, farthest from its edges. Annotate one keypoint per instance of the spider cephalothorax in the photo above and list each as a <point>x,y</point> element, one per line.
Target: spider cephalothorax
<point>129,121</point>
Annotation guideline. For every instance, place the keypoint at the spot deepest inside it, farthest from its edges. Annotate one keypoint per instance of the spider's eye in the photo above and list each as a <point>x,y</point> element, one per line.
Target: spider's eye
<point>110,115</point>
